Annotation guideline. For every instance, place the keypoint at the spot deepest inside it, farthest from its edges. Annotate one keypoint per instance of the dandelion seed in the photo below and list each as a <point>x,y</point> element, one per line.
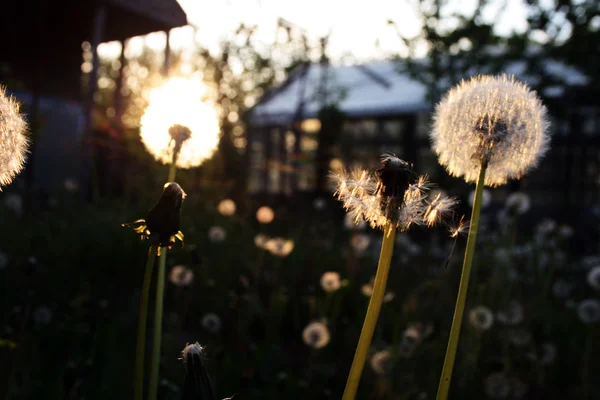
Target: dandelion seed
<point>593,278</point>
<point>360,242</point>
<point>518,203</point>
<point>316,335</point>
<point>211,322</point>
<point>492,121</point>
<point>589,311</point>
<point>486,198</point>
<point>512,315</point>
<point>393,194</point>
<point>265,215</point>
<point>459,228</point>
<point>481,318</point>
<point>226,207</point>
<point>14,203</point>
<point>330,281</point>
<point>497,386</point>
<point>181,275</point>
<point>217,234</point>
<point>381,362</point>
<point>437,207</point>
<point>13,140</point>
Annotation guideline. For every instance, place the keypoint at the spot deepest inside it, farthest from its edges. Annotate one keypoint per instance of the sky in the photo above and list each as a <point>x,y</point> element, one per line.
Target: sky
<point>359,29</point>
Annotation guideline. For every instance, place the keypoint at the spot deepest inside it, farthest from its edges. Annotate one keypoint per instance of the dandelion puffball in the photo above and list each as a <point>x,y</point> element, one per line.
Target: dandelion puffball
<point>177,116</point>
<point>490,120</point>
<point>13,139</point>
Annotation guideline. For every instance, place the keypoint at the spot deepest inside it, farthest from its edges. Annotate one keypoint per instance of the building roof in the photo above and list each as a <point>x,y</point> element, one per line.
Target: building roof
<point>374,89</point>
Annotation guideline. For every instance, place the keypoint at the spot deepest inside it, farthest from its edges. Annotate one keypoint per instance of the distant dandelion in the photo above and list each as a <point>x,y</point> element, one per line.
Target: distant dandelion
<point>512,315</point>
<point>316,335</point>
<point>178,122</point>
<point>589,311</point>
<point>389,296</point>
<point>226,207</point>
<point>518,203</point>
<point>486,198</point>
<point>566,231</point>
<point>279,246</point>
<point>546,227</point>
<point>71,185</point>
<point>265,215</point>
<point>181,275</point>
<point>481,318</point>
<point>216,234</point>
<point>13,139</point>
<point>593,278</point>
<point>360,242</point>
<point>330,281</point>
<point>211,322</point>
<point>492,121</point>
<point>261,240</point>
<point>381,362</point>
<point>392,194</point>
<point>497,386</point>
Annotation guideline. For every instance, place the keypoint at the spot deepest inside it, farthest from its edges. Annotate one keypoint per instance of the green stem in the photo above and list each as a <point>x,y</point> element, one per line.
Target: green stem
<point>366,335</point>
<point>141,336</point>
<point>459,310</point>
<point>172,172</point>
<point>158,316</point>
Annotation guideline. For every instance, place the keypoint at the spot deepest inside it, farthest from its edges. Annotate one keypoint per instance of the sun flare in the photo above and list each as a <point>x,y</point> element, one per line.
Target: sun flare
<point>179,103</point>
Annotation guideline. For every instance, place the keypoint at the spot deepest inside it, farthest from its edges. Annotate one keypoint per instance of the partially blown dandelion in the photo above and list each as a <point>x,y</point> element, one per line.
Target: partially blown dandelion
<point>491,121</point>
<point>13,139</point>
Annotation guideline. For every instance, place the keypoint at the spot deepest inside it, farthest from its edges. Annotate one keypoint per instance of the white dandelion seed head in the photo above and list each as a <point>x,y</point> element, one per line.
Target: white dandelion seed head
<point>518,202</point>
<point>360,242</point>
<point>216,234</point>
<point>330,281</point>
<point>316,335</point>
<point>381,362</point>
<point>493,120</point>
<point>497,386</point>
<point>265,215</point>
<point>593,277</point>
<point>392,194</point>
<point>14,141</point>
<point>178,120</point>
<point>512,315</point>
<point>211,322</point>
<point>589,311</point>
<point>181,275</point>
<point>481,318</point>
<point>226,207</point>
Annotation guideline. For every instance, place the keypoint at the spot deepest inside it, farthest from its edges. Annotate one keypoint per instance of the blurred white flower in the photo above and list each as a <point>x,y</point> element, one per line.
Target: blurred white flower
<point>14,203</point>
<point>518,202</point>
<point>178,121</point>
<point>279,246</point>
<point>13,139</point>
<point>351,223</point>
<point>265,215</point>
<point>226,207</point>
<point>492,120</point>
<point>393,194</point>
<point>593,277</point>
<point>316,335</point>
<point>512,315</point>
<point>181,275</point>
<point>486,198</point>
<point>216,234</point>
<point>381,362</point>
<point>497,386</point>
<point>330,281</point>
<point>481,318</point>
<point>360,242</point>
<point>42,316</point>
<point>211,322</point>
<point>589,311</point>
<point>261,240</point>
<point>71,185</point>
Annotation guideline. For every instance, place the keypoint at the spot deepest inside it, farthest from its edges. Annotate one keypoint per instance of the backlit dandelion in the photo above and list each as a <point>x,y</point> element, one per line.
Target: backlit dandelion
<point>589,311</point>
<point>593,277</point>
<point>261,240</point>
<point>481,318</point>
<point>393,194</point>
<point>13,139</point>
<point>490,121</point>
<point>512,315</point>
<point>316,335</point>
<point>279,246</point>
<point>381,362</point>
<point>179,124</point>
<point>486,198</point>
<point>330,281</point>
<point>211,322</point>
<point>226,207</point>
<point>181,275</point>
<point>360,242</point>
<point>265,215</point>
<point>518,203</point>
<point>216,234</point>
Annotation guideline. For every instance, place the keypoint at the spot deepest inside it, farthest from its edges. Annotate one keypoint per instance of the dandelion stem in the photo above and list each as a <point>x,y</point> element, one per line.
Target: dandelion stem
<point>444,385</point>
<point>366,335</point>
<point>158,314</point>
<point>141,335</point>
<point>172,172</point>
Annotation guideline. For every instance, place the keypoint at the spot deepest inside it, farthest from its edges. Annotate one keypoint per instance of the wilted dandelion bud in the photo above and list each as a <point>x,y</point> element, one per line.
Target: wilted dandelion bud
<point>163,219</point>
<point>13,139</point>
<point>393,194</point>
<point>197,384</point>
<point>491,121</point>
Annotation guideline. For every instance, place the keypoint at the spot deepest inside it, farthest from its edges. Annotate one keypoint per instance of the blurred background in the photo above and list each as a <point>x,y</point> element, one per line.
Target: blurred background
<point>273,279</point>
